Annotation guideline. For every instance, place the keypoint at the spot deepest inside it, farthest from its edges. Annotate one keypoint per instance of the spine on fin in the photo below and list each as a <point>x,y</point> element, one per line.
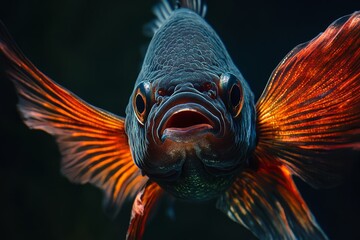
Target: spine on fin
<point>164,9</point>
<point>197,6</point>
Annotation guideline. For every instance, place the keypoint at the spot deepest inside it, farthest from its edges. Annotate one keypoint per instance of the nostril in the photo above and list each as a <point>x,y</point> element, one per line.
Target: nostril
<point>162,92</point>
<point>207,86</point>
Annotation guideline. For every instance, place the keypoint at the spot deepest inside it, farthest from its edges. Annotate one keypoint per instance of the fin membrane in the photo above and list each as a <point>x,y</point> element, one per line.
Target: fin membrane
<point>267,202</point>
<point>309,113</point>
<point>92,142</point>
<point>143,204</point>
<point>164,10</point>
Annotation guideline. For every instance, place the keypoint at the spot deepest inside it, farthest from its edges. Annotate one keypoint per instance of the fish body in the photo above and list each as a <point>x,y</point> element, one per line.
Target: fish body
<point>193,131</point>
<point>193,145</point>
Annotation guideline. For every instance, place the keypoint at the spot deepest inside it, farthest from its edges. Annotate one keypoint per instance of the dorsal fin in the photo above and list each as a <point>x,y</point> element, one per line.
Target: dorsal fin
<point>165,8</point>
<point>197,6</point>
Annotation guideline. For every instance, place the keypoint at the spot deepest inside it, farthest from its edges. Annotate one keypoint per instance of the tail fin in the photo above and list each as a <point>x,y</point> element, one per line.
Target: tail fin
<point>309,112</point>
<point>92,141</point>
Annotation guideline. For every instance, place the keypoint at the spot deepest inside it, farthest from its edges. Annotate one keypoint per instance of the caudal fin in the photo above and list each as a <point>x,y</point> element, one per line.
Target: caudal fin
<point>309,113</point>
<point>92,141</point>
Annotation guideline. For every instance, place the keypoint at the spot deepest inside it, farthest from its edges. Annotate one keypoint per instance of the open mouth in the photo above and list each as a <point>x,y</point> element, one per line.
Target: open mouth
<point>186,125</point>
<point>187,117</point>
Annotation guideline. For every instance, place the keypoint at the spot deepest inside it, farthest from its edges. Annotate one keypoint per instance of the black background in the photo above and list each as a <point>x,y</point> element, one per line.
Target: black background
<point>95,49</point>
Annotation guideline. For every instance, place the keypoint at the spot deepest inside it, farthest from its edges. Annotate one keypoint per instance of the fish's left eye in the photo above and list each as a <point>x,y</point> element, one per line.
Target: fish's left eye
<point>232,93</point>
<point>141,101</point>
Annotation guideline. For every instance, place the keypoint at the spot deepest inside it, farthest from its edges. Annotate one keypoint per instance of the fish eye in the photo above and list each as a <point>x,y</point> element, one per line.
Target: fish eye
<point>141,101</point>
<point>232,93</point>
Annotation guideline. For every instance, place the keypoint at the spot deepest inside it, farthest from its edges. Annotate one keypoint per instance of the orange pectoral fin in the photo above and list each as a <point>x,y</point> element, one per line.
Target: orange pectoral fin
<point>92,142</point>
<point>143,204</point>
<point>309,113</point>
<point>267,202</point>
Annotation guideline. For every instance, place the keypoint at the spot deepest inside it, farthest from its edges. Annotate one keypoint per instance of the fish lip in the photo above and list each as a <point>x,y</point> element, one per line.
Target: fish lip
<point>191,132</point>
<point>194,104</point>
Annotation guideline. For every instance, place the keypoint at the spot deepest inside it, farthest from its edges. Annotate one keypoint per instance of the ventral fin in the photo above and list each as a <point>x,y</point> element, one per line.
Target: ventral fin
<point>143,204</point>
<point>92,142</point>
<point>267,202</point>
<point>309,113</point>
<point>165,8</point>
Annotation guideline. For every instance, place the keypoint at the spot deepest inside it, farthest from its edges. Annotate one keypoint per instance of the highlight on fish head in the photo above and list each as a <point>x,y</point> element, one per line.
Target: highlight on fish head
<point>191,118</point>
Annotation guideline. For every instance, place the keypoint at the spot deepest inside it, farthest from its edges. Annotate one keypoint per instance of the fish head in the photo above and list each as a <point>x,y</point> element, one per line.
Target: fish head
<point>191,118</point>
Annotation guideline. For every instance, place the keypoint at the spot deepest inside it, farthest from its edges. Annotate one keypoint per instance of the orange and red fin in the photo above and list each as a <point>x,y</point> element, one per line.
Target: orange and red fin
<point>143,204</point>
<point>307,115</point>
<point>267,202</point>
<point>92,142</point>
<point>309,112</point>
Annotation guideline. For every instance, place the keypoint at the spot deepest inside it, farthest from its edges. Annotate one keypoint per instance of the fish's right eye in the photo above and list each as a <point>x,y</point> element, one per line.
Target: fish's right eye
<point>141,101</point>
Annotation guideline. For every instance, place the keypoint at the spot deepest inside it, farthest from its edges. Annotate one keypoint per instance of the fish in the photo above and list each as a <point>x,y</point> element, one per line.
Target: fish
<point>193,131</point>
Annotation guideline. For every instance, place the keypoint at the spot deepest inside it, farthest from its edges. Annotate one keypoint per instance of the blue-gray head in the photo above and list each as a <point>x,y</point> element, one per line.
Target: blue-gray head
<point>191,117</point>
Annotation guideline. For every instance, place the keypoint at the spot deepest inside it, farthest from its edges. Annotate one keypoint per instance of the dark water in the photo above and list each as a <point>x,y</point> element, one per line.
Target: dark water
<point>95,49</point>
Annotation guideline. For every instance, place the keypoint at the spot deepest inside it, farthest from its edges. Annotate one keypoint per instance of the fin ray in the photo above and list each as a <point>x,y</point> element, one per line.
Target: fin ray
<point>143,204</point>
<point>309,112</point>
<point>267,202</point>
<point>164,10</point>
<point>92,142</point>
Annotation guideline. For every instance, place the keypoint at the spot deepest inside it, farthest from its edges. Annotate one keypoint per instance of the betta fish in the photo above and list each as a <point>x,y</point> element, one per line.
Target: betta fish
<point>194,132</point>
